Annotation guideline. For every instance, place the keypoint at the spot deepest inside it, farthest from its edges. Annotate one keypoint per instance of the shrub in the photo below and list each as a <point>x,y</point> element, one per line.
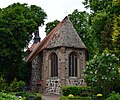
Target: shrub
<point>14,86</point>
<point>75,98</point>
<point>38,96</point>
<point>27,95</point>
<point>114,96</point>
<point>97,70</point>
<point>74,90</point>
<point>86,91</point>
<point>17,86</point>
<point>5,96</point>
<point>21,85</point>
<point>3,85</point>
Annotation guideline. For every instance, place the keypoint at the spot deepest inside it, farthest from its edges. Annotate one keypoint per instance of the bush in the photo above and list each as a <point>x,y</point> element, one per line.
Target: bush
<point>75,98</point>
<point>17,86</point>
<point>114,96</point>
<point>3,85</point>
<point>21,85</point>
<point>5,96</point>
<point>14,86</point>
<point>86,91</point>
<point>38,96</point>
<point>26,95</point>
<point>74,90</point>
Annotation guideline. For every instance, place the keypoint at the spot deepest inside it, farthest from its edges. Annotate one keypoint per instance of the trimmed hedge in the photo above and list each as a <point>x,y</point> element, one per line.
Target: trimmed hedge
<point>75,98</point>
<point>82,91</point>
<point>74,90</point>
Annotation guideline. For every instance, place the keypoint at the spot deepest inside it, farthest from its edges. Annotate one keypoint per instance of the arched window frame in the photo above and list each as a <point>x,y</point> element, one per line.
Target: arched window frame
<point>53,65</point>
<point>73,65</point>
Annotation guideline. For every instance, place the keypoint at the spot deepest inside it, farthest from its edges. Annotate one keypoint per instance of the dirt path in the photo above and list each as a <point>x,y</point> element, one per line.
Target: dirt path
<point>50,97</point>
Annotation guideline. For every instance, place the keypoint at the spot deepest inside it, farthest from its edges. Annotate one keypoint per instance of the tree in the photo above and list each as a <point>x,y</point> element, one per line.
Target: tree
<point>98,5</point>
<point>102,73</point>
<point>50,26</point>
<point>116,35</point>
<point>105,29</point>
<point>17,23</point>
<point>102,18</point>
<point>116,28</point>
<point>81,23</point>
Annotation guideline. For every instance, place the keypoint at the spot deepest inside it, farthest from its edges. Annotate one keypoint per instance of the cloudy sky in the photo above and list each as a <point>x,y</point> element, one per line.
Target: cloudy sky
<point>55,9</point>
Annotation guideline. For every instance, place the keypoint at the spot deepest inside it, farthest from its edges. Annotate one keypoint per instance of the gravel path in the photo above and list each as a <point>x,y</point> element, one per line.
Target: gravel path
<point>50,97</point>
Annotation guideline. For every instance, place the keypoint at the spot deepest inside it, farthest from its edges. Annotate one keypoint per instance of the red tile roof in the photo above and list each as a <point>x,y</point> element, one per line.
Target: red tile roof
<point>32,47</point>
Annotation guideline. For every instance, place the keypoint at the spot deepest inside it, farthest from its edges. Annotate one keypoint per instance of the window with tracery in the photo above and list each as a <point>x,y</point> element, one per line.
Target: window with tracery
<point>54,65</point>
<point>73,64</point>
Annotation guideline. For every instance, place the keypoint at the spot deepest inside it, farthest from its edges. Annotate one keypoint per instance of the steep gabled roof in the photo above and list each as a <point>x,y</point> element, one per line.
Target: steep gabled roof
<point>63,35</point>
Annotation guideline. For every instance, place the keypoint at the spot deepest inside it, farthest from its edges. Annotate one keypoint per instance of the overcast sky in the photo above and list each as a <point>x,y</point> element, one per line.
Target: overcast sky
<point>55,9</point>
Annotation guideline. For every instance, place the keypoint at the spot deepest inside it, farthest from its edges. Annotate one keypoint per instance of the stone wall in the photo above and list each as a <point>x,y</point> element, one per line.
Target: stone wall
<point>36,73</point>
<point>81,62</point>
<point>77,82</point>
<point>41,70</point>
<point>53,84</point>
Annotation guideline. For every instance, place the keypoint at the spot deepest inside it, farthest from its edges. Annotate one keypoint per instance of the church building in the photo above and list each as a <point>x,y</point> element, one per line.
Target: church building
<point>58,60</point>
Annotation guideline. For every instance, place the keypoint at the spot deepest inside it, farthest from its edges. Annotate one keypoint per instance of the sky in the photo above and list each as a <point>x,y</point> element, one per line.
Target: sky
<point>55,9</point>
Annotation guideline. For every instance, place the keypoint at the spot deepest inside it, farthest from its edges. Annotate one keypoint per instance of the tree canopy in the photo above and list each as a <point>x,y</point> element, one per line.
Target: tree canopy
<point>102,73</point>
<point>17,23</point>
<point>105,30</point>
<point>50,26</point>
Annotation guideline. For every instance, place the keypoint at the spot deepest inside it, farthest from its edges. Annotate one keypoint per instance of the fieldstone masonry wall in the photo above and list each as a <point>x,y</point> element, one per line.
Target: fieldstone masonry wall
<point>63,40</point>
<point>41,70</point>
<point>77,82</point>
<point>36,73</point>
<point>53,86</point>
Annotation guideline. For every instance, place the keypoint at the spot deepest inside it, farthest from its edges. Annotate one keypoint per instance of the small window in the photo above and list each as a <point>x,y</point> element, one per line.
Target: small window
<point>73,65</point>
<point>54,65</point>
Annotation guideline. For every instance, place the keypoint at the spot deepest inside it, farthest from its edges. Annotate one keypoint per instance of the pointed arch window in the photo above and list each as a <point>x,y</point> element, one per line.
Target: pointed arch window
<point>73,64</point>
<point>54,65</point>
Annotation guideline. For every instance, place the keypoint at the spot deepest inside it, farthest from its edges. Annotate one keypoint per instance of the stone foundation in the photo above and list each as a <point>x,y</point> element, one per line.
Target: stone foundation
<point>53,86</point>
<point>77,82</point>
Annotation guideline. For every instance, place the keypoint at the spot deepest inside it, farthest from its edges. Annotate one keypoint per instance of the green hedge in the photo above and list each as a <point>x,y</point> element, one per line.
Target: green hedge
<point>114,96</point>
<point>75,98</point>
<point>15,86</point>
<point>5,96</point>
<point>37,96</point>
<point>26,95</point>
<point>76,90</point>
